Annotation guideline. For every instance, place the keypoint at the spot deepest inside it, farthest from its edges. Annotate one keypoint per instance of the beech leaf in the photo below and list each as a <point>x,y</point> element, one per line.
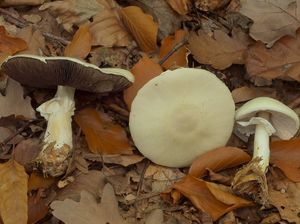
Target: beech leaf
<point>286,156</point>
<point>87,211</point>
<point>180,6</point>
<point>245,93</point>
<point>13,193</point>
<point>141,26</point>
<point>37,181</point>
<point>208,197</point>
<point>102,135</point>
<point>10,45</point>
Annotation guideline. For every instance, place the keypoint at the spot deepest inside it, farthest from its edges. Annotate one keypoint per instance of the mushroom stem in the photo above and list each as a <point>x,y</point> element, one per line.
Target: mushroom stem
<point>261,143</point>
<point>58,141</point>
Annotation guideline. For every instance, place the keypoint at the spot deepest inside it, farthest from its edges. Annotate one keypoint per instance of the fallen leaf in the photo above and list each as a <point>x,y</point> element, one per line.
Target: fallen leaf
<point>143,71</point>
<point>155,217</point>
<point>265,12</point>
<point>91,182</point>
<point>20,2</point>
<point>27,150</point>
<point>179,58</point>
<point>102,135</point>
<point>81,44</point>
<point>107,30</point>
<point>8,132</point>
<point>208,197</point>
<point>180,6</point>
<point>211,5</point>
<point>9,44</point>
<point>37,209</point>
<point>286,156</point>
<point>14,103</point>
<point>11,29</point>
<point>220,51</point>
<point>280,61</point>
<point>217,160</point>
<point>111,57</point>
<point>13,193</point>
<point>70,12</point>
<point>246,93</point>
<point>34,39</point>
<point>141,26</point>
<point>32,18</point>
<point>87,211</point>
<point>37,181</point>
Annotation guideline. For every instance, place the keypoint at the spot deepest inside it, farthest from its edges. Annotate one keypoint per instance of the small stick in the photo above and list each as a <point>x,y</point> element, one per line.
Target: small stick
<point>56,38</point>
<point>142,178</point>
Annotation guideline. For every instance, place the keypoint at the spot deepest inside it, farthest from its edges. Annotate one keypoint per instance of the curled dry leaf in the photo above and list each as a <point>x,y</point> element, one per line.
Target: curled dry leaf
<point>102,135</point>
<point>211,198</point>
<point>141,26</point>
<point>245,93</point>
<point>180,6</point>
<point>286,156</point>
<point>81,44</point>
<point>143,71</point>
<point>217,160</point>
<point>14,103</point>
<point>10,45</point>
<point>13,193</point>
<point>280,61</point>
<point>264,13</point>
<point>179,58</point>
<point>220,51</point>
<point>70,12</point>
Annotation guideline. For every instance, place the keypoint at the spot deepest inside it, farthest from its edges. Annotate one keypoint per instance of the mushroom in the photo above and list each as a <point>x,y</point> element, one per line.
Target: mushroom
<point>67,74</point>
<point>263,117</point>
<point>180,115</point>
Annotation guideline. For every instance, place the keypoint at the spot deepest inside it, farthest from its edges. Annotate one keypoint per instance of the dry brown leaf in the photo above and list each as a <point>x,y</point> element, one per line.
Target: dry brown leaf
<point>37,209</point>
<point>141,26</point>
<point>37,181</point>
<point>245,93</point>
<point>14,103</point>
<point>155,217</point>
<point>87,211</point>
<point>13,193</point>
<point>220,51</point>
<point>102,135</point>
<point>27,150</point>
<point>265,12</point>
<point>180,6</point>
<point>286,156</point>
<point>81,44</point>
<point>107,29</point>
<point>143,71</point>
<point>179,58</point>
<point>280,61</point>
<point>111,57</point>
<point>34,39</point>
<point>20,2</point>
<point>211,5</point>
<point>9,44</point>
<point>7,133</point>
<point>208,197</point>
<point>217,160</point>
<point>70,12</point>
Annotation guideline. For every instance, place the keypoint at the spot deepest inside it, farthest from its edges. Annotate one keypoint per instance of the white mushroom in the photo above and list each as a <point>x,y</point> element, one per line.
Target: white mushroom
<point>180,115</point>
<point>262,116</point>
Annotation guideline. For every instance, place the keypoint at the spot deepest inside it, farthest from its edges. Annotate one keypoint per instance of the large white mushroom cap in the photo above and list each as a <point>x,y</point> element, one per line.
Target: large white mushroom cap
<point>180,115</point>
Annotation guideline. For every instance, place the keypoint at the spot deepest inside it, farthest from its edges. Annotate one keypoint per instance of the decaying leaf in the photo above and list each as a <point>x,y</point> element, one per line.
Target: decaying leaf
<point>9,44</point>
<point>217,160</point>
<point>87,211</point>
<point>37,209</point>
<point>265,12</point>
<point>180,6</point>
<point>280,61</point>
<point>102,135</point>
<point>245,93</point>
<point>214,199</point>
<point>143,71</point>
<point>14,103</point>
<point>286,156</point>
<point>111,57</point>
<point>210,5</point>
<point>141,26</point>
<point>72,12</point>
<point>179,58</point>
<point>221,50</point>
<point>20,2</point>
<point>37,181</point>
<point>156,216</point>
<point>13,193</point>
<point>81,44</point>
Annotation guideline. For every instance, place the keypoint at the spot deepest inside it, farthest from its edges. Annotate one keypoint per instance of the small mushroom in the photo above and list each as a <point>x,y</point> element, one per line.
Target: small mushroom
<point>263,117</point>
<point>67,74</point>
<point>180,115</point>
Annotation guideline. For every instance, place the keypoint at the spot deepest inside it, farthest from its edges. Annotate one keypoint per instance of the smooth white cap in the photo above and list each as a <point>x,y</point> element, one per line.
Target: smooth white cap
<point>180,115</point>
<point>284,120</point>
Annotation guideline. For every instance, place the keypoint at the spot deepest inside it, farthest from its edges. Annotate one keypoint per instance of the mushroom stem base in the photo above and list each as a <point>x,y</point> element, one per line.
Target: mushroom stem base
<point>251,181</point>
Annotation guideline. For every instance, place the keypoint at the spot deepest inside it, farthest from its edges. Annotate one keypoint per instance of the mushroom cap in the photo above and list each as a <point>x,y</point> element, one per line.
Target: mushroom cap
<point>180,115</point>
<point>49,72</point>
<point>283,119</point>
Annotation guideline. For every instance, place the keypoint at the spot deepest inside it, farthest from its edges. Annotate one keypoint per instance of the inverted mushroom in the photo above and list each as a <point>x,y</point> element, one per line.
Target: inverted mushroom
<point>263,117</point>
<point>180,115</point>
<point>67,74</point>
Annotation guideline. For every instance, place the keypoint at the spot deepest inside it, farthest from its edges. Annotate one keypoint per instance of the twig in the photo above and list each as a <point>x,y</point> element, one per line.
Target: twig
<point>56,38</point>
<point>142,178</point>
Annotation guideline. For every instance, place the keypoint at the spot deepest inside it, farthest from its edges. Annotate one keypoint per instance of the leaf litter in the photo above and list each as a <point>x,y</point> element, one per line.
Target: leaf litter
<point>146,38</point>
